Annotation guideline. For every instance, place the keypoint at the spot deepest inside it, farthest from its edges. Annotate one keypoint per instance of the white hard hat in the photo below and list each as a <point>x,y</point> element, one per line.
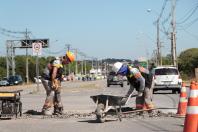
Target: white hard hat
<point>116,67</point>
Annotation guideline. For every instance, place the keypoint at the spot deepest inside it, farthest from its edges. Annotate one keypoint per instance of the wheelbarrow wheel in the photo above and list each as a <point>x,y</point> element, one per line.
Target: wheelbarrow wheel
<point>100,113</point>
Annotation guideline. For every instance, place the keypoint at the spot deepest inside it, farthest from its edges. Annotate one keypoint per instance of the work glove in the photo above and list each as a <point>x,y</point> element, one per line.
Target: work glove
<point>56,84</point>
<point>122,101</point>
<point>140,94</point>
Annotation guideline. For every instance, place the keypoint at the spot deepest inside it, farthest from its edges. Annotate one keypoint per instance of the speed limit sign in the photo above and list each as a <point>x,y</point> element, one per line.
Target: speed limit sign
<point>37,48</point>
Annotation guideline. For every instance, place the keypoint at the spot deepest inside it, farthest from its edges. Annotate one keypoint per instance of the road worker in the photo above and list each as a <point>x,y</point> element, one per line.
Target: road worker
<point>145,101</point>
<point>139,79</point>
<point>51,80</point>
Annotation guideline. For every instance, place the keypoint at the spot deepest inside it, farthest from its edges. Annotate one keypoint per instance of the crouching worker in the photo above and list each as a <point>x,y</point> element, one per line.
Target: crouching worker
<point>51,80</point>
<point>137,81</point>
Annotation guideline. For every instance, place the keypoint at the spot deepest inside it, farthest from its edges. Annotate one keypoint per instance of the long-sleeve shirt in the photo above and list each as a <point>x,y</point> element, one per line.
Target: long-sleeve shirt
<point>135,78</point>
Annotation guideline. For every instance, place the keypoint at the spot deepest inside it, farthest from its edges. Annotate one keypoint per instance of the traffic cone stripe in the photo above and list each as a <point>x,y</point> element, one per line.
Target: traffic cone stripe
<point>183,89</point>
<point>193,102</point>
<point>192,109</point>
<point>183,99</point>
<point>182,106</point>
<point>183,94</point>
<point>193,87</point>
<point>193,93</point>
<point>191,119</point>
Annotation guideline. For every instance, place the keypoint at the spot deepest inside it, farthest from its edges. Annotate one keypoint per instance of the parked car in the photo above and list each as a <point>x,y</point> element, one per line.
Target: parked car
<point>4,83</point>
<point>15,80</point>
<point>113,79</point>
<point>166,78</point>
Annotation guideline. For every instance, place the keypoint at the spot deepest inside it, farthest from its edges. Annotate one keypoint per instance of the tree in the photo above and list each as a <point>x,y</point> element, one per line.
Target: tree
<point>2,67</point>
<point>188,61</point>
<point>166,60</point>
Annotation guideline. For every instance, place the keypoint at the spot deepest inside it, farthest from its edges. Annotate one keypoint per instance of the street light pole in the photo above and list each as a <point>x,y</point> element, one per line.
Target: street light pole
<point>173,35</point>
<point>159,58</point>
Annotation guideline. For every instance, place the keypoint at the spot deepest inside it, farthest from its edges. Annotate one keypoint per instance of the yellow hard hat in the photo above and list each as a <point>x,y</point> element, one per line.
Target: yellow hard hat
<point>70,56</point>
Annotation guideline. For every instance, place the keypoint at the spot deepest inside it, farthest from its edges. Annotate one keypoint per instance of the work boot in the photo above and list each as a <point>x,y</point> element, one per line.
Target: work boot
<point>58,111</point>
<point>47,112</point>
<point>150,106</point>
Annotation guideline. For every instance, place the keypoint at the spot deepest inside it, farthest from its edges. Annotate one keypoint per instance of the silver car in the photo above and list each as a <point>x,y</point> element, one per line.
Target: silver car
<point>166,78</point>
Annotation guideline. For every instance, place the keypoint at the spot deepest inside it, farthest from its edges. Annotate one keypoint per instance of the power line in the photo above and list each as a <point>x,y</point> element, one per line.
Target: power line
<point>54,52</point>
<point>159,60</point>
<point>10,31</point>
<point>192,11</point>
<point>192,22</point>
<point>165,21</point>
<point>191,34</point>
<point>163,7</point>
<point>12,36</point>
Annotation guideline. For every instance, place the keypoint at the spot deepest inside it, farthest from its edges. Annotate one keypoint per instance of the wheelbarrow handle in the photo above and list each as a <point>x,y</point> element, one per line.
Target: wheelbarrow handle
<point>131,96</point>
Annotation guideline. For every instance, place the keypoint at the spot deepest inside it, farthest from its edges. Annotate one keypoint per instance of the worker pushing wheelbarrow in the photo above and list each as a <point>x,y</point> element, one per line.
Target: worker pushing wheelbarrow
<point>139,79</point>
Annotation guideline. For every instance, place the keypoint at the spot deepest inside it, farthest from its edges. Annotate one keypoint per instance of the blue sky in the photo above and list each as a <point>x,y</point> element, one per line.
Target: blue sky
<point>99,28</point>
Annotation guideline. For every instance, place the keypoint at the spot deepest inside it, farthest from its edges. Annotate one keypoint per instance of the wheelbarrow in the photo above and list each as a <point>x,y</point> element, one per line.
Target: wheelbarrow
<point>106,102</point>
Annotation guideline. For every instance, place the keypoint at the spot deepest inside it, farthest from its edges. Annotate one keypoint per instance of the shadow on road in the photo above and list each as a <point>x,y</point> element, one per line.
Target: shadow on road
<point>89,121</point>
<point>33,112</point>
<point>163,93</point>
<point>95,121</point>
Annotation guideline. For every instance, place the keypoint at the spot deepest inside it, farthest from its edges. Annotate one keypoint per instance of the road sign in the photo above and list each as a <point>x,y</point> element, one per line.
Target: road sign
<point>28,43</point>
<point>37,48</point>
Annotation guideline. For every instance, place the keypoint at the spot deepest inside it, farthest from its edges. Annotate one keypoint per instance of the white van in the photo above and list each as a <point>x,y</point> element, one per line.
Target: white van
<point>166,78</point>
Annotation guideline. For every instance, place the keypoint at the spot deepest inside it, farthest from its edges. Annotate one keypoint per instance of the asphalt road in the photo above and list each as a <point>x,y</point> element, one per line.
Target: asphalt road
<point>79,109</point>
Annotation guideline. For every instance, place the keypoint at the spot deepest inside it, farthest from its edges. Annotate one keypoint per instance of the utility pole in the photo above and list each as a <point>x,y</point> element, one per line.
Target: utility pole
<point>13,60</point>
<point>10,61</point>
<point>27,70</point>
<point>85,66</point>
<point>37,72</point>
<point>85,63</point>
<point>159,61</point>
<point>76,52</point>
<point>97,61</point>
<point>68,49</point>
<point>7,59</point>
<point>92,63</point>
<point>154,54</point>
<point>82,72</point>
<point>173,35</point>
<point>68,46</point>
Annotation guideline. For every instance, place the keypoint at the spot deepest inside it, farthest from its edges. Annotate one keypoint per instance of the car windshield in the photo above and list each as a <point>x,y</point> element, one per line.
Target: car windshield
<point>15,78</point>
<point>112,73</point>
<point>166,71</point>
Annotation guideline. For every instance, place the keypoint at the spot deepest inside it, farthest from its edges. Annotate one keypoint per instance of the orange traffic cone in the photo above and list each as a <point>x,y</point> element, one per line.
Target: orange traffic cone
<point>191,120</point>
<point>181,111</point>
